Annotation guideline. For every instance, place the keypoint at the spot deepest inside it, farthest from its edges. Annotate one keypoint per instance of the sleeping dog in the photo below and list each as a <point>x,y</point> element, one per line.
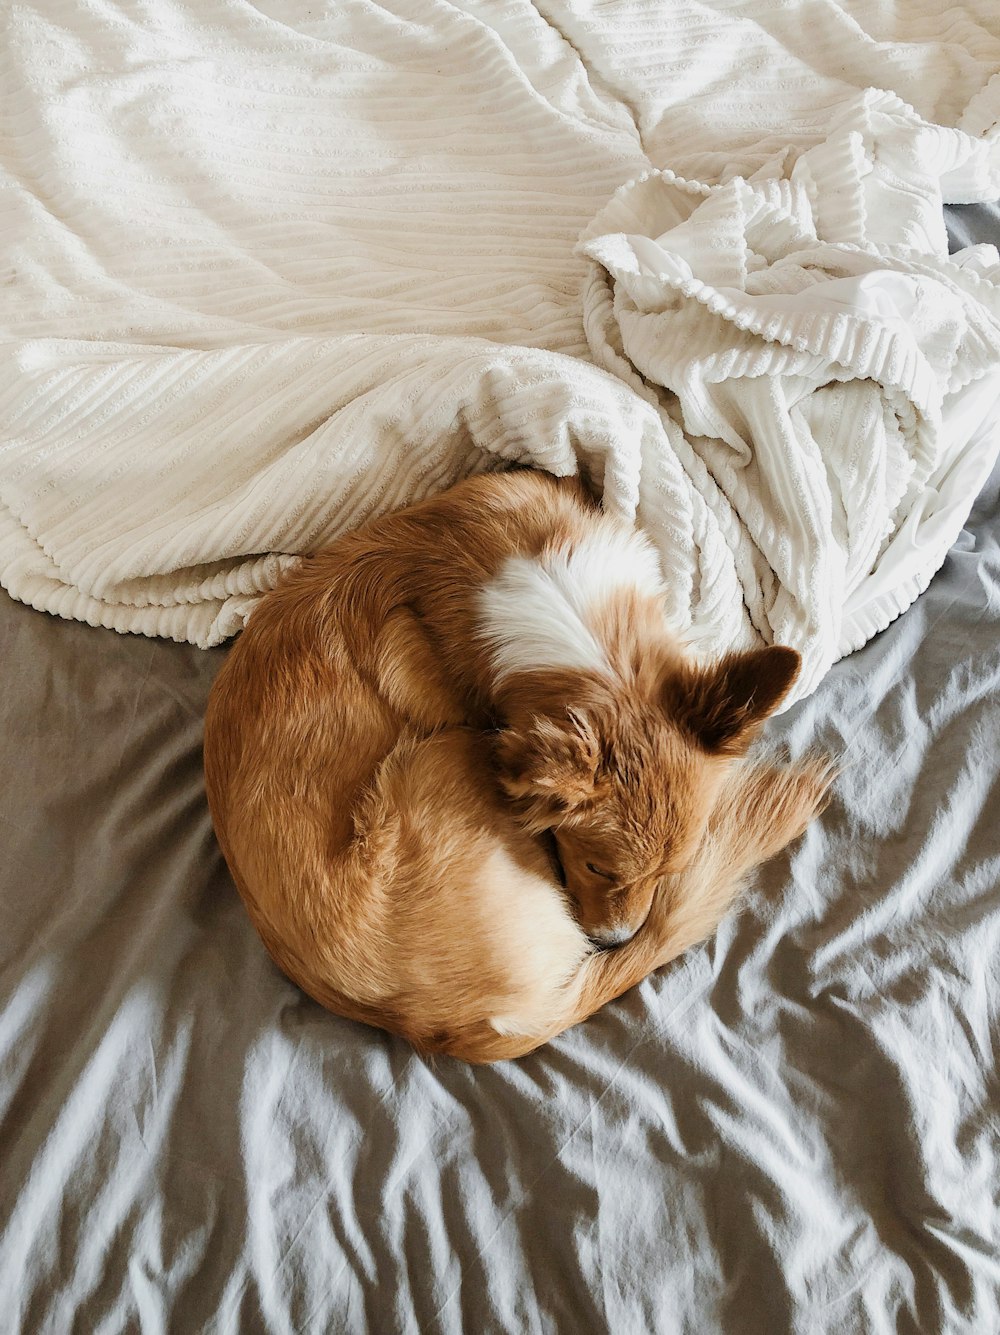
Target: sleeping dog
<point>459,754</point>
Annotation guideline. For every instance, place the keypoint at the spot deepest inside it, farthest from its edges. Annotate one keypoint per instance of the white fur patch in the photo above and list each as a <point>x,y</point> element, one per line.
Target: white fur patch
<point>542,946</point>
<point>537,612</point>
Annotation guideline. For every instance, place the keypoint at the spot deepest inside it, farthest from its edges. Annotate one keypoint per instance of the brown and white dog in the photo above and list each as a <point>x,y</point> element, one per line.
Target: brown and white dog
<point>418,716</point>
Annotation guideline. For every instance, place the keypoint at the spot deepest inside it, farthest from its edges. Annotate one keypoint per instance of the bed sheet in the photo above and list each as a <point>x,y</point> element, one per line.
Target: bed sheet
<point>794,1128</point>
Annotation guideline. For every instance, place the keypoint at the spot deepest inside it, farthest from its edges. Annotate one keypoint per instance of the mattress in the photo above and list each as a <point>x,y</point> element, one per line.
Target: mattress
<point>793,1128</point>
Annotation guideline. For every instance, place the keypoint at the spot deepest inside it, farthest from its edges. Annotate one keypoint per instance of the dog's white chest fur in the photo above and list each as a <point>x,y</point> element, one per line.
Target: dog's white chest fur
<point>542,612</point>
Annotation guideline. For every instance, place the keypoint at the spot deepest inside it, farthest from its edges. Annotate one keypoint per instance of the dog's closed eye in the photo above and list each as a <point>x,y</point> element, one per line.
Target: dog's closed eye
<point>596,871</point>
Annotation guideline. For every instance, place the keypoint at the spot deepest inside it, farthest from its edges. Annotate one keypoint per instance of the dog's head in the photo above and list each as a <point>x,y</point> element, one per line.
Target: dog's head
<point>626,785</point>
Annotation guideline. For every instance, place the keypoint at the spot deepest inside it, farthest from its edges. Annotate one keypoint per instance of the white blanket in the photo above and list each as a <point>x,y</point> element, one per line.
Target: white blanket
<point>269,270</point>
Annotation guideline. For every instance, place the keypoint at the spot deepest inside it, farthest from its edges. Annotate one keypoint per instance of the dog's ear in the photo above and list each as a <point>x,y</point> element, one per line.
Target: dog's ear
<point>550,765</point>
<point>725,705</point>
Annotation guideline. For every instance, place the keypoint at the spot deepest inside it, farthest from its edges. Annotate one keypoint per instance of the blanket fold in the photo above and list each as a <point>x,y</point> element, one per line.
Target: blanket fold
<point>266,278</point>
<point>833,369</point>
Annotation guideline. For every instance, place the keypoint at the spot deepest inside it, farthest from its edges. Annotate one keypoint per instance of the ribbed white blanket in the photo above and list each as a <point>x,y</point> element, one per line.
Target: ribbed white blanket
<point>269,270</point>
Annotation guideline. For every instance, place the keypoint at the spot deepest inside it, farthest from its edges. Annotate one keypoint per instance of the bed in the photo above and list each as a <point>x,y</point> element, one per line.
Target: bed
<point>794,1128</point>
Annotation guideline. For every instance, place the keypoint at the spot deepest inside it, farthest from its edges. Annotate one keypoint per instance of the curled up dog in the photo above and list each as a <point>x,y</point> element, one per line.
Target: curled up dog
<point>460,751</point>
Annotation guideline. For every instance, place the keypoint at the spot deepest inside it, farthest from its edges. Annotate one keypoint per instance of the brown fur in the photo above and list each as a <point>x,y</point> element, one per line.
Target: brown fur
<point>390,857</point>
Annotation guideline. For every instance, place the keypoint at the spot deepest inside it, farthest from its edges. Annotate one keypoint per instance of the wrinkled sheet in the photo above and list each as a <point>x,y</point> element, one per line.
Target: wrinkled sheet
<point>794,1128</point>
<point>267,270</point>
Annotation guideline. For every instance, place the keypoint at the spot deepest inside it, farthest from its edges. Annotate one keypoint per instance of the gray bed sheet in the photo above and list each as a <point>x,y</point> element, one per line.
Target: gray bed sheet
<point>794,1128</point>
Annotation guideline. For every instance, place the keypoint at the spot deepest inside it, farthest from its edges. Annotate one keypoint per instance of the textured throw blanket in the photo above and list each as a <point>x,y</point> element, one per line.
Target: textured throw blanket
<point>267,271</point>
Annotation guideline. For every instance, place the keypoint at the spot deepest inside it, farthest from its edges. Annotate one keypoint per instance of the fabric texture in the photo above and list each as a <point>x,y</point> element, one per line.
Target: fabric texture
<point>790,1131</point>
<point>269,270</point>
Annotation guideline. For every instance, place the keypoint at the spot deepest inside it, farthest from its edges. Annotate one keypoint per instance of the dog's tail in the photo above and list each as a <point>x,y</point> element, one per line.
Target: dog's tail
<point>761,810</point>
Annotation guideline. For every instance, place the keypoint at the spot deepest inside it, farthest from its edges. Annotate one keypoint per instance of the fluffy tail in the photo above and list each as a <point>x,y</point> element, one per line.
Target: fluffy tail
<point>761,810</point>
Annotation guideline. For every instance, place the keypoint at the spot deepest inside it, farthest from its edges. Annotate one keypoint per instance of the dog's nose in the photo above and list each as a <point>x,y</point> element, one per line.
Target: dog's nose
<point>612,936</point>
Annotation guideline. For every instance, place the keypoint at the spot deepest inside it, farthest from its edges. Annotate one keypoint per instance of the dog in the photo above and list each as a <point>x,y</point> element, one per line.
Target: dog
<point>460,751</point>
